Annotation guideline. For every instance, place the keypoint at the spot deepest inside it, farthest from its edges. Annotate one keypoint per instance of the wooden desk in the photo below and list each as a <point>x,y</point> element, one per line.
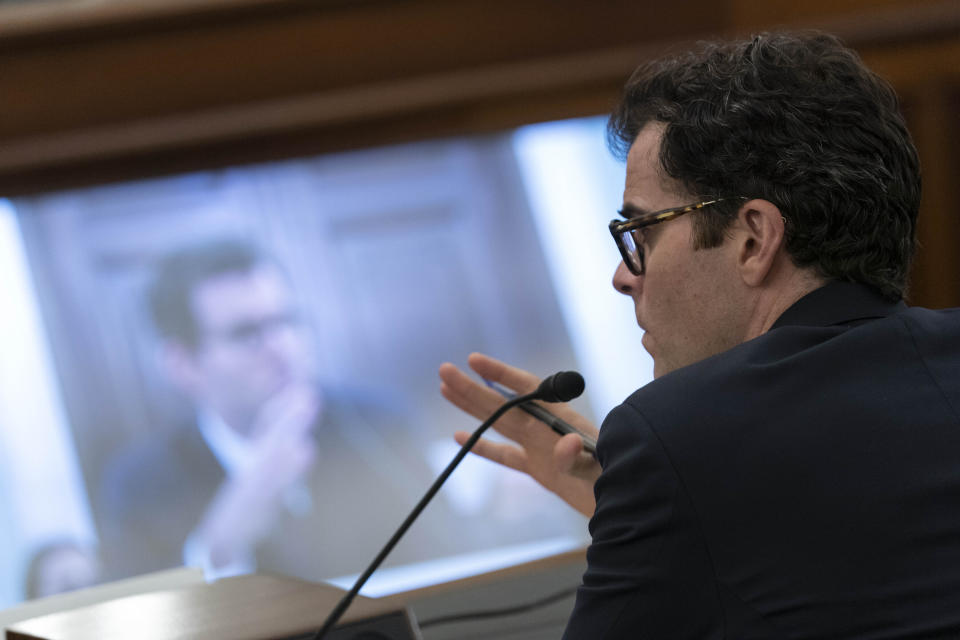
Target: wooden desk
<point>260,606</point>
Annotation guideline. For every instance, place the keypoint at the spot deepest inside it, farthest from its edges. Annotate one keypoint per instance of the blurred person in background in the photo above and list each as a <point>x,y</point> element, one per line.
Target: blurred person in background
<point>274,471</point>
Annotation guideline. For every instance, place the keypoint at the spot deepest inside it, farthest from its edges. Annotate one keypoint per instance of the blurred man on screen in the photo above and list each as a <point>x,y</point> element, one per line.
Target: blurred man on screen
<point>272,472</point>
<point>793,469</point>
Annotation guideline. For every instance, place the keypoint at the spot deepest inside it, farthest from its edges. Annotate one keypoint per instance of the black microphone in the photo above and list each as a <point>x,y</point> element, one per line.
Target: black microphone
<point>560,387</point>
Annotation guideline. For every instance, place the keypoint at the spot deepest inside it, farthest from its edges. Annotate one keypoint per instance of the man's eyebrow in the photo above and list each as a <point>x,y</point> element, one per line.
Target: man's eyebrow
<point>630,211</point>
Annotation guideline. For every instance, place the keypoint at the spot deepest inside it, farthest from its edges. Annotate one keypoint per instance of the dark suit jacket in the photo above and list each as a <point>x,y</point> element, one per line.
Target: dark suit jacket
<point>805,484</point>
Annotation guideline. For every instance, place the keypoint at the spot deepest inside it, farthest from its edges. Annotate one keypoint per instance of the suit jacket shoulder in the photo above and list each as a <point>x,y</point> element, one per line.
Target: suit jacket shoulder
<point>798,485</point>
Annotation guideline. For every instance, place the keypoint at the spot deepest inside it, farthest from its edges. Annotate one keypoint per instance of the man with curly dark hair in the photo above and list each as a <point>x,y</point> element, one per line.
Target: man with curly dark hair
<point>792,471</point>
<point>802,124</point>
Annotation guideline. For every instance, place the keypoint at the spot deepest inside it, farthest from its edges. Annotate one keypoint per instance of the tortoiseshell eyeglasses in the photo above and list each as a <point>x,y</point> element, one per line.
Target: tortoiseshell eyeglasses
<point>627,235</point>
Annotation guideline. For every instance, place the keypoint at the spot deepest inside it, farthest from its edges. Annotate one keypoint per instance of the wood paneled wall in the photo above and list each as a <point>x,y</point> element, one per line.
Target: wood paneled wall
<point>91,93</point>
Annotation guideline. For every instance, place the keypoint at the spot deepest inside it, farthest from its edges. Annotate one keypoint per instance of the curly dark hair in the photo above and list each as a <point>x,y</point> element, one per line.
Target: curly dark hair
<point>796,119</point>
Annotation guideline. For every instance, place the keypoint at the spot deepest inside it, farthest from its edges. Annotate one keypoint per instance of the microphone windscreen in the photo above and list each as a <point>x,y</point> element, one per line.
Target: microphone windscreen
<point>561,387</point>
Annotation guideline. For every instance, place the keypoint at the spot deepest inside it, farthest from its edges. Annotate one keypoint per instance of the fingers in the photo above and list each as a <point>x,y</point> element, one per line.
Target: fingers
<point>558,463</point>
<point>475,398</point>
<point>511,377</point>
<point>289,413</point>
<point>505,454</point>
<point>465,393</point>
<point>573,460</point>
<point>524,382</point>
<point>567,452</point>
<point>480,402</point>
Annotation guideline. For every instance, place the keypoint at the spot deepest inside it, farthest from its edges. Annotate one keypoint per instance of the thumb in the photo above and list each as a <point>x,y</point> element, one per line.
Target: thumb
<point>570,458</point>
<point>566,453</point>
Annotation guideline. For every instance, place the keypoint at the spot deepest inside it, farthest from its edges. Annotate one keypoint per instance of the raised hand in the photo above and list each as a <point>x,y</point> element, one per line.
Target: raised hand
<point>248,503</point>
<point>558,463</point>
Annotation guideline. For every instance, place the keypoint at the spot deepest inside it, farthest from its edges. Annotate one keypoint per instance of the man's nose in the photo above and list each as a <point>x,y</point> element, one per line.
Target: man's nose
<point>625,282</point>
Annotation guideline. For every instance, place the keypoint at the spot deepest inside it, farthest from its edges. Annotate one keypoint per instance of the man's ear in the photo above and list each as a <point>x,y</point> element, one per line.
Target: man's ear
<point>761,230</point>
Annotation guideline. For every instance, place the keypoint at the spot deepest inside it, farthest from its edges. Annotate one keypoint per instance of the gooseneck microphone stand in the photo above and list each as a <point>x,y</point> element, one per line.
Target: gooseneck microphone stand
<point>560,387</point>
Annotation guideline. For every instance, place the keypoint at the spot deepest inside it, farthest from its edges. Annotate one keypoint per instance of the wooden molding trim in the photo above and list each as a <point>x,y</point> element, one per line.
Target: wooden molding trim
<point>316,110</point>
<point>204,83</point>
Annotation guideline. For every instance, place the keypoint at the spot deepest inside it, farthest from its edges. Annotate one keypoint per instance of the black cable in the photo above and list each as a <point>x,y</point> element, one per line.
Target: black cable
<point>502,612</point>
<point>344,603</point>
<point>562,386</point>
